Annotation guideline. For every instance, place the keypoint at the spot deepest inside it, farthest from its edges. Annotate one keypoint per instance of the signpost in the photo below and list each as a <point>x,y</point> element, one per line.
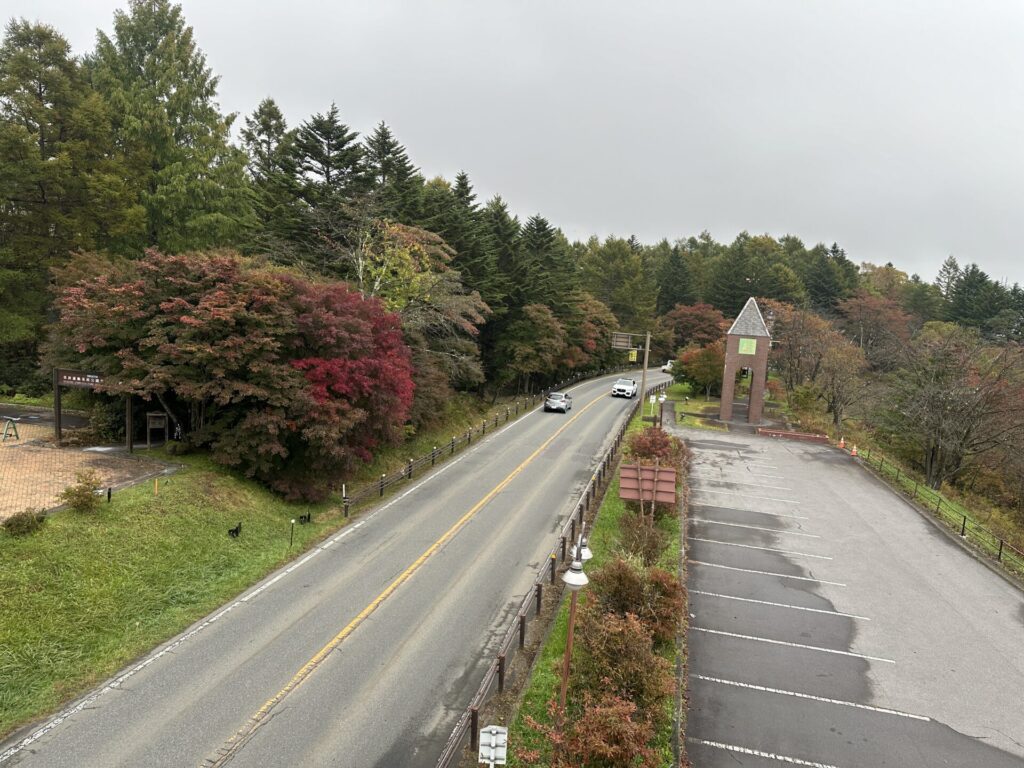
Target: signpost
<point>625,341</point>
<point>66,377</point>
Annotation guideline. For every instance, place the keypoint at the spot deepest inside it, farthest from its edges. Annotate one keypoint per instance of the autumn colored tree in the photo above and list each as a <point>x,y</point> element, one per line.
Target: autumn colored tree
<point>652,594</point>
<point>800,339</point>
<point>877,325</point>
<point>290,381</point>
<point>954,399</point>
<point>841,378</point>
<point>698,324</point>
<point>702,367</point>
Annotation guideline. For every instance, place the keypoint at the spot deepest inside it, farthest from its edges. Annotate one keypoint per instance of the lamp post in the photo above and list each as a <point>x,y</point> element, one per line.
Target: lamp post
<point>575,579</point>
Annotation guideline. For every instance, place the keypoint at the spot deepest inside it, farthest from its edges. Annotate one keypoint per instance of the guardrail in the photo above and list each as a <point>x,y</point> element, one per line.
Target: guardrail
<point>988,542</point>
<point>414,467</point>
<point>515,635</point>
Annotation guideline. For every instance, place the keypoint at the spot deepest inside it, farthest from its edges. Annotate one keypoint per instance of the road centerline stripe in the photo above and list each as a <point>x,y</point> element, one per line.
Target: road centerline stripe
<point>770,641</point>
<point>811,697</point>
<point>224,753</point>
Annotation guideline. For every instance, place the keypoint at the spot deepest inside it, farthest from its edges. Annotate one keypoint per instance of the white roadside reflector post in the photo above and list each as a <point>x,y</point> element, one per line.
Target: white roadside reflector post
<point>493,745</point>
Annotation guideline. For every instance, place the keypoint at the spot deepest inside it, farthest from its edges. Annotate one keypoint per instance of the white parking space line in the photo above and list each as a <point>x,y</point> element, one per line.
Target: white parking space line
<point>822,699</point>
<point>762,549</point>
<point>759,753</point>
<point>778,605</point>
<point>747,495</point>
<point>739,482</point>
<point>791,645</point>
<point>754,527</point>
<point>766,573</point>
<point>750,511</point>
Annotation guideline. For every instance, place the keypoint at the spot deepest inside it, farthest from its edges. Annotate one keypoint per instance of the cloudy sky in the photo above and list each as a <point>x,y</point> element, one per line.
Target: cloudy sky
<point>892,127</point>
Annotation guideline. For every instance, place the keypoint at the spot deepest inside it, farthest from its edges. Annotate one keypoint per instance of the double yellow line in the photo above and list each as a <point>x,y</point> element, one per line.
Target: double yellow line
<point>233,744</point>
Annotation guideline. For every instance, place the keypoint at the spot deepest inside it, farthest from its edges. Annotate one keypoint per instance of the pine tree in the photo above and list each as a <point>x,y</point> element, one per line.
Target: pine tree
<point>62,182</point>
<point>276,189</point>
<point>330,159</point>
<point>162,95</point>
<point>675,285</point>
<point>396,182</point>
<point>949,275</point>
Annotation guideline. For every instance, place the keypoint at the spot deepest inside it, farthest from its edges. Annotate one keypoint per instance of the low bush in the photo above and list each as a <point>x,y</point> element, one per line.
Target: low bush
<point>617,657</point>
<point>640,537</point>
<point>609,732</point>
<point>654,596</point>
<point>81,496</point>
<point>25,522</point>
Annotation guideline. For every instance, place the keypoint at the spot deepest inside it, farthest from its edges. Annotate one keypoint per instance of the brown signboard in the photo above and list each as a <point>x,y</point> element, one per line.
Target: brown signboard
<point>78,379</point>
<point>647,483</point>
<point>622,341</point>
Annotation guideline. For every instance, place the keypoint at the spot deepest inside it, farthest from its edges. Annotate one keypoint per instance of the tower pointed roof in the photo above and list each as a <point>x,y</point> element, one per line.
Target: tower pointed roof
<point>749,322</point>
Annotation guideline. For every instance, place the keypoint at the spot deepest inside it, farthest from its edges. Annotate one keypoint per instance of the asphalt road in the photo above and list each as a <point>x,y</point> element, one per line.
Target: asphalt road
<point>832,625</point>
<point>413,618</point>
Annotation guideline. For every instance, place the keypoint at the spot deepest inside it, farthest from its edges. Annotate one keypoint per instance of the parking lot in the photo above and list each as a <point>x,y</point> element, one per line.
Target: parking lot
<point>833,625</point>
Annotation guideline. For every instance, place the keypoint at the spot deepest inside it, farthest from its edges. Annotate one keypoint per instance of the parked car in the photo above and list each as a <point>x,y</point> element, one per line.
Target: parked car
<point>667,367</point>
<point>558,401</point>
<point>624,388</point>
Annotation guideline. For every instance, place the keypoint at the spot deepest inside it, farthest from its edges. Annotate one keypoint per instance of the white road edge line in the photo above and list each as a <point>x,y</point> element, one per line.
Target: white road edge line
<point>778,605</point>
<point>748,495</point>
<point>759,753</point>
<point>171,647</point>
<point>753,527</point>
<point>751,511</point>
<point>774,477</point>
<point>791,645</point>
<point>739,482</point>
<point>767,573</point>
<point>822,699</point>
<point>761,549</point>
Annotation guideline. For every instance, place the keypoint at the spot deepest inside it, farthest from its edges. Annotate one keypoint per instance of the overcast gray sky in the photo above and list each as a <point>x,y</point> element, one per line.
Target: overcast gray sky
<point>892,127</point>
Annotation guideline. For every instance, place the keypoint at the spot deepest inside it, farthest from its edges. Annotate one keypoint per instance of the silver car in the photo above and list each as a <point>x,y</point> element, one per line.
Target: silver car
<point>558,401</point>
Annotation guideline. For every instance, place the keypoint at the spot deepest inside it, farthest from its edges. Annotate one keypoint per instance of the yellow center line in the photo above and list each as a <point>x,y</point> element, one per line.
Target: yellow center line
<point>231,746</point>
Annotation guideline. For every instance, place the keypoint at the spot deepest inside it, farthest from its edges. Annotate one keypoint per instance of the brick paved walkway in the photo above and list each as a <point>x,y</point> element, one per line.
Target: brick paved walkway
<point>33,472</point>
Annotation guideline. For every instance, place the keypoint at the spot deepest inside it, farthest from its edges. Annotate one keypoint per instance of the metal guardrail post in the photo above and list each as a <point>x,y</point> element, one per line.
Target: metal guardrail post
<point>963,527</point>
<point>382,485</point>
<point>522,631</point>
<point>474,729</point>
<point>410,469</point>
<point>540,595</point>
<point>999,557</point>
<point>554,568</point>
<point>501,673</point>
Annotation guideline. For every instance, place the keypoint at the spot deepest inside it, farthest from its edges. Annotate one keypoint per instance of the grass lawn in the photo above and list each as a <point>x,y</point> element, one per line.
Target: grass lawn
<point>86,594</point>
<point>546,675</point>
<point>679,393</point>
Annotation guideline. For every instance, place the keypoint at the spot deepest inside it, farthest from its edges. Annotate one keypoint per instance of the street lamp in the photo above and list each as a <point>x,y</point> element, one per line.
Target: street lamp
<point>575,579</point>
<point>581,551</point>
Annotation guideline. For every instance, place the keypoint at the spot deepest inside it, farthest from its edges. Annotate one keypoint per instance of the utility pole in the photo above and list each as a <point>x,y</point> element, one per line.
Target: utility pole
<point>643,373</point>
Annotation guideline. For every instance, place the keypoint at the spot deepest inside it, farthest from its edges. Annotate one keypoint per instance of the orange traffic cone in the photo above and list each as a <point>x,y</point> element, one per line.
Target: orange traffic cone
<point>854,451</point>
<point>842,442</point>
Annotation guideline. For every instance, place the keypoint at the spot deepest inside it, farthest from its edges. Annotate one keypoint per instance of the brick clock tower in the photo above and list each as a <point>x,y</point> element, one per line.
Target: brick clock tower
<point>746,348</point>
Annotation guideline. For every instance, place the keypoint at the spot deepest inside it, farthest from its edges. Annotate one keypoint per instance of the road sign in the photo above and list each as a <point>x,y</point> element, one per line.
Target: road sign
<point>632,355</point>
<point>622,341</point>
<point>493,745</point>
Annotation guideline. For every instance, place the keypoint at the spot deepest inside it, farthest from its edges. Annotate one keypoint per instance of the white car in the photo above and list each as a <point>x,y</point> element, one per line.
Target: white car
<point>624,388</point>
<point>667,367</point>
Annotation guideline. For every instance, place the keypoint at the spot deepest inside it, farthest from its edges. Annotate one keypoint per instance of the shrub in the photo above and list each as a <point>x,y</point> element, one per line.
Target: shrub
<point>653,595</point>
<point>617,657</point>
<point>640,537</point>
<point>655,444</point>
<point>25,522</point>
<point>81,496</point>
<point>611,733</point>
